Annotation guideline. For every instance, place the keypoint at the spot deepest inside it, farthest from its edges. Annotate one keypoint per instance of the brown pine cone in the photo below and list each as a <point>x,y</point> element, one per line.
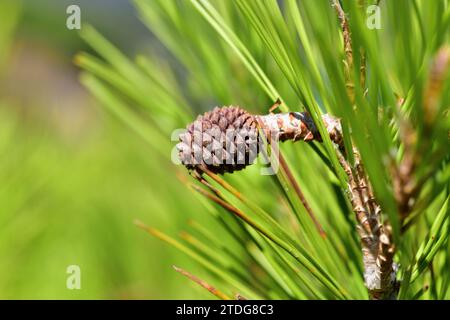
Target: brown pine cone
<point>223,140</point>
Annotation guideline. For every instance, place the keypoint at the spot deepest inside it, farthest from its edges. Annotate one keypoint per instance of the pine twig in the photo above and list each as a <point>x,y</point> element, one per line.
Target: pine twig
<point>376,239</point>
<point>378,249</point>
<point>348,68</point>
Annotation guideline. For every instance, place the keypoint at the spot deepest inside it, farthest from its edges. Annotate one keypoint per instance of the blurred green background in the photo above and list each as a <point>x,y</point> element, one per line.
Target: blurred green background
<point>72,178</point>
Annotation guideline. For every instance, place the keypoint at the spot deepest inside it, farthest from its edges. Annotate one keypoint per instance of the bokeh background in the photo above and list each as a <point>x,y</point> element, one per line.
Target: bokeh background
<point>73,178</point>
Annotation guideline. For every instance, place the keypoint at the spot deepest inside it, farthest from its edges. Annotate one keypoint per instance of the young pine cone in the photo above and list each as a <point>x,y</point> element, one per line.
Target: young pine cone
<point>223,140</point>
<point>226,139</point>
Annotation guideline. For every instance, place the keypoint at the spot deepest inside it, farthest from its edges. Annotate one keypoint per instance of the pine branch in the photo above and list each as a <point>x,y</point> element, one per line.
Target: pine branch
<point>378,249</point>
<point>348,68</point>
<point>376,239</point>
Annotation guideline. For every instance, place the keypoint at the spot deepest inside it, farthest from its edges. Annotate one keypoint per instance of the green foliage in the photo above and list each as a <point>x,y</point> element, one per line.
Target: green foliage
<point>261,242</point>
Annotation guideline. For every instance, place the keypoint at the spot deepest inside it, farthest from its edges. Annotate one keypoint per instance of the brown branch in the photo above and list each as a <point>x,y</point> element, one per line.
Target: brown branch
<point>376,243</point>
<point>299,126</point>
<point>376,240</point>
<point>348,63</point>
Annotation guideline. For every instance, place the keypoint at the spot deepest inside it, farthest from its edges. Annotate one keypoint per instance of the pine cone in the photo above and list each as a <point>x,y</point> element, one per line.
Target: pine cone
<point>223,140</point>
